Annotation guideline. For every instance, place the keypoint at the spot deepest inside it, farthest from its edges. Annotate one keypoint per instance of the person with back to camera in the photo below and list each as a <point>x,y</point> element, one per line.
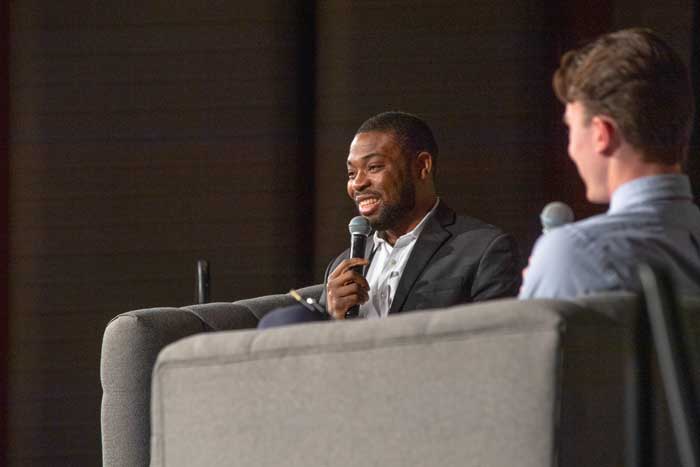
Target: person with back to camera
<point>629,109</point>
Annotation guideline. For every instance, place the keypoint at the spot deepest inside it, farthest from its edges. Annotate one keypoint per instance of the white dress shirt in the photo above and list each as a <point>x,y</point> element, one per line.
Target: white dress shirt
<point>386,268</point>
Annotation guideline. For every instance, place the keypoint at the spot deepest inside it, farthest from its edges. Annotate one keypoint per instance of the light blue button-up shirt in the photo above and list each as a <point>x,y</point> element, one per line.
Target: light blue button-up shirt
<point>651,219</point>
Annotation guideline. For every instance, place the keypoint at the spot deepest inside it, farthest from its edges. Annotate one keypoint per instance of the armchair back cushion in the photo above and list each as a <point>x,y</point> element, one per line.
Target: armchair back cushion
<point>507,382</point>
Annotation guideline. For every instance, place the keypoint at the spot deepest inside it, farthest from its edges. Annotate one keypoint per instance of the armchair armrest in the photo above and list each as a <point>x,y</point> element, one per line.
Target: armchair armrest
<point>130,346</point>
<point>246,313</point>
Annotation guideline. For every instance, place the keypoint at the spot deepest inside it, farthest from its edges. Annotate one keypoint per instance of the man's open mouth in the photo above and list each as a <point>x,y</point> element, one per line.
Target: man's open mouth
<point>368,205</point>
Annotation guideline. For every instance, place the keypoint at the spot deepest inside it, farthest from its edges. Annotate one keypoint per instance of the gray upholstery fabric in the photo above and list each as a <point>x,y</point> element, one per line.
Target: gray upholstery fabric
<point>130,346</point>
<point>663,446</point>
<point>244,314</point>
<point>261,305</point>
<point>527,383</point>
<point>500,383</point>
<point>129,349</point>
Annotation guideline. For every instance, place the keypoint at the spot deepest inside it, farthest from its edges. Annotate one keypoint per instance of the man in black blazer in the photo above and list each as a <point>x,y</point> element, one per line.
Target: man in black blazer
<point>456,259</point>
<point>421,254</point>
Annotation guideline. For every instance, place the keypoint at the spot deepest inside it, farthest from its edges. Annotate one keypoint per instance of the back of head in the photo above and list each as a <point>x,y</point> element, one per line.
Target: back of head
<point>412,133</point>
<point>635,78</point>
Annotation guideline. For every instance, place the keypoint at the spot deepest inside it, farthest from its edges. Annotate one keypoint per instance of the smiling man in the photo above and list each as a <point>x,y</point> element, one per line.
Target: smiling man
<point>628,110</point>
<point>421,254</point>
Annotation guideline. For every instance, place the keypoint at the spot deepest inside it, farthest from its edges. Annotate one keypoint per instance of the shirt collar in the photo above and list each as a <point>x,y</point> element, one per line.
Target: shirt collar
<point>652,188</point>
<point>410,235</point>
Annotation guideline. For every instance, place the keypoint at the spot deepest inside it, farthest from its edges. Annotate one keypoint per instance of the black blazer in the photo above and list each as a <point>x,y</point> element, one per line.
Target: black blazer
<point>456,259</point>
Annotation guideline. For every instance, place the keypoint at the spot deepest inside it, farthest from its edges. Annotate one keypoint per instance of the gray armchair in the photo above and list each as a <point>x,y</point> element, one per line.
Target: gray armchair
<point>130,346</point>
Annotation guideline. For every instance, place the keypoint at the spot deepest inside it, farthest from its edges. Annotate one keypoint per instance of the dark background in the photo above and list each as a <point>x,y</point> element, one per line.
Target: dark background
<point>136,138</point>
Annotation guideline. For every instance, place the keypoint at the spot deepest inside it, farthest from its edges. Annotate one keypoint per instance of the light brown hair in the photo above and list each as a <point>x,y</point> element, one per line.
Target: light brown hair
<point>635,78</point>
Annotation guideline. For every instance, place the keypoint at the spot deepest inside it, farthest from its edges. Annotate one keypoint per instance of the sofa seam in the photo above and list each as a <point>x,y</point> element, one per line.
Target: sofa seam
<point>328,349</point>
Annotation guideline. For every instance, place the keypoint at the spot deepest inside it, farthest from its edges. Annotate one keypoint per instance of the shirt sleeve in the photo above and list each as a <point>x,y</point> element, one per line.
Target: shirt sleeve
<point>562,265</point>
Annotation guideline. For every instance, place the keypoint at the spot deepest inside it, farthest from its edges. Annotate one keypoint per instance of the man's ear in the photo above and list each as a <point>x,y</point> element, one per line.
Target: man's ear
<point>606,135</point>
<point>424,163</point>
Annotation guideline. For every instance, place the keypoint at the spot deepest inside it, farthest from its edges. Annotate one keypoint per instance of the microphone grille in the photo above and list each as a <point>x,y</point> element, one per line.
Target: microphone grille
<point>359,226</point>
<point>555,214</point>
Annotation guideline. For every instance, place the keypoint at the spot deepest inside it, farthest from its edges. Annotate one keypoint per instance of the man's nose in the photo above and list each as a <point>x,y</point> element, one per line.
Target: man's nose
<point>360,181</point>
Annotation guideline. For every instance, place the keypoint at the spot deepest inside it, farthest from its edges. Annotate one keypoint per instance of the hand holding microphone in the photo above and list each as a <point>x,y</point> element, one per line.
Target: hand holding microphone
<point>554,214</point>
<point>347,288</point>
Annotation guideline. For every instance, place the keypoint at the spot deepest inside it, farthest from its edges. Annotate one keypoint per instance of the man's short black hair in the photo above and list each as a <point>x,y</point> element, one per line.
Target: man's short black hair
<point>413,134</point>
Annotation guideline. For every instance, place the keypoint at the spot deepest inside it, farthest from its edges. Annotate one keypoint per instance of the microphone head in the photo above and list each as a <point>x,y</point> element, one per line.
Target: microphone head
<point>555,214</point>
<point>359,226</point>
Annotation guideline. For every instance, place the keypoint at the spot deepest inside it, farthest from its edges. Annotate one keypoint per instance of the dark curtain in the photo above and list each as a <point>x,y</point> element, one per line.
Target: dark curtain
<point>4,222</point>
<point>693,166</point>
<point>144,137</point>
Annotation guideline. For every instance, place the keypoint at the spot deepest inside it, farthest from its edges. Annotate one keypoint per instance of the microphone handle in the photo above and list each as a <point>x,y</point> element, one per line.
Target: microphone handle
<point>357,250</point>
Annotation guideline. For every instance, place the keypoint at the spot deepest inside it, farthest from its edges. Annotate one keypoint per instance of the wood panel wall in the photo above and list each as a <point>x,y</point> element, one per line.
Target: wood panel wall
<point>693,165</point>
<point>146,136</point>
<point>4,222</point>
<point>476,71</point>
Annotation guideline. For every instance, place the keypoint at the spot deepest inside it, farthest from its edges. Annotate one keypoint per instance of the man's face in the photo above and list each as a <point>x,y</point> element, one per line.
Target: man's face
<point>380,180</point>
<point>592,166</point>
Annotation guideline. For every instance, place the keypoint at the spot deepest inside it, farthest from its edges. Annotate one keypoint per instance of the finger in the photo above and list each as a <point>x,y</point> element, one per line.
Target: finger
<point>351,290</point>
<point>350,265</point>
<point>344,304</point>
<point>346,264</point>
<point>524,272</point>
<point>349,277</point>
<point>338,315</point>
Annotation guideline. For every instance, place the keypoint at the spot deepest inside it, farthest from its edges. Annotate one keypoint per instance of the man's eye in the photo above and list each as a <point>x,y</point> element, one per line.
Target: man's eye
<point>351,175</point>
<point>375,168</point>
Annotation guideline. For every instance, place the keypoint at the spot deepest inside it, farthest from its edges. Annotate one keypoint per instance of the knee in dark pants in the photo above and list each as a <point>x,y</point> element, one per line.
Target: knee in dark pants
<point>294,314</point>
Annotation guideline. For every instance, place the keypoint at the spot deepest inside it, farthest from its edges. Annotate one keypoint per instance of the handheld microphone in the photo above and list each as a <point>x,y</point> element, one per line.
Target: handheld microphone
<point>359,231</point>
<point>555,214</point>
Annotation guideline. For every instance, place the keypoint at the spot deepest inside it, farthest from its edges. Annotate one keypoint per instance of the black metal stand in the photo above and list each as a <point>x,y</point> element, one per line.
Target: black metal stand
<point>203,285</point>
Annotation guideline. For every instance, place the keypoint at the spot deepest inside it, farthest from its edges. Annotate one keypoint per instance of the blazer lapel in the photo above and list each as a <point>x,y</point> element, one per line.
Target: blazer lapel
<point>430,240</point>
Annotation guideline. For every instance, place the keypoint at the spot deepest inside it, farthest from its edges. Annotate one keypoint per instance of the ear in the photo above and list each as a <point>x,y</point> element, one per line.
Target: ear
<point>424,164</point>
<point>606,136</point>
